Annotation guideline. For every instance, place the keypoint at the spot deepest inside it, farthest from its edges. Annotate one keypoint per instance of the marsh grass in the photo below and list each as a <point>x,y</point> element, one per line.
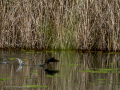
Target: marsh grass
<point>60,24</point>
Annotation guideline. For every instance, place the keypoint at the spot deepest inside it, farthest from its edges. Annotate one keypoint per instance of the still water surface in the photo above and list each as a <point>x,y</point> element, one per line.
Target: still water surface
<point>19,70</point>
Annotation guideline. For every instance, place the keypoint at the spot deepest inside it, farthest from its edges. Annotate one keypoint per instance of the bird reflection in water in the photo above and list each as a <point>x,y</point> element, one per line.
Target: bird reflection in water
<point>51,72</point>
<point>48,71</point>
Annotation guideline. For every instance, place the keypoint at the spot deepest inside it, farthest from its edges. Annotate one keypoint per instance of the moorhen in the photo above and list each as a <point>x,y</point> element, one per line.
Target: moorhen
<point>51,60</point>
<point>47,61</point>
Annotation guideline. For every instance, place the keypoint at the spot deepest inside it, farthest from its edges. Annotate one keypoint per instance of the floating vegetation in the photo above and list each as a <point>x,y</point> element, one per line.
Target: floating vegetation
<point>22,50</point>
<point>49,76</point>
<point>107,69</point>
<point>25,59</point>
<point>4,79</point>
<point>112,63</point>
<point>34,86</point>
<point>101,81</point>
<point>12,59</point>
<point>99,52</point>
<point>100,71</point>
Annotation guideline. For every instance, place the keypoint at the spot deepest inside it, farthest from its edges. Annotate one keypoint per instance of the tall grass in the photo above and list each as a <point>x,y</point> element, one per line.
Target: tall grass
<point>60,24</point>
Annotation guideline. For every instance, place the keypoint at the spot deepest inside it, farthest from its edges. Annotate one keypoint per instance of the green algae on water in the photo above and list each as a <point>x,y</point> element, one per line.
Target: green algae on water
<point>34,86</point>
<point>12,59</point>
<point>4,79</point>
<point>99,71</point>
<point>22,50</point>
<point>25,59</point>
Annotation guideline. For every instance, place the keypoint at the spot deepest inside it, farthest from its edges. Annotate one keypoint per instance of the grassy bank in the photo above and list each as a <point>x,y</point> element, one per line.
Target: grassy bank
<point>60,24</point>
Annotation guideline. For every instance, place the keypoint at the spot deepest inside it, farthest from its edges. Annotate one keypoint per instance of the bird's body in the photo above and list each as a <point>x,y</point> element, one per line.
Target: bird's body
<point>47,61</point>
<point>51,60</point>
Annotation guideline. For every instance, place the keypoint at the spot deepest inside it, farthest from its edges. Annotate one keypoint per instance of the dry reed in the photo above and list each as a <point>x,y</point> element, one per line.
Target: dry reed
<point>60,24</point>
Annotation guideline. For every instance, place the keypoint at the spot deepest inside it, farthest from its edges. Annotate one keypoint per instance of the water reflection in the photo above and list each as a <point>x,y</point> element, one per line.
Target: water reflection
<point>20,64</point>
<point>3,62</point>
<point>74,71</point>
<point>51,72</point>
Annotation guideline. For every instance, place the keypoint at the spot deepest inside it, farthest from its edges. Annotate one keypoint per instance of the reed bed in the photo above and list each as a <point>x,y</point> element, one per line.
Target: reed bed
<point>60,24</point>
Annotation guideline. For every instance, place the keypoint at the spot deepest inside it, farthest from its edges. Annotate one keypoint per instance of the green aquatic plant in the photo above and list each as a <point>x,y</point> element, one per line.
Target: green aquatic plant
<point>107,69</point>
<point>99,52</point>
<point>4,79</point>
<point>49,76</point>
<point>22,50</point>
<point>34,86</point>
<point>25,59</point>
<point>12,59</point>
<point>112,63</point>
<point>99,71</point>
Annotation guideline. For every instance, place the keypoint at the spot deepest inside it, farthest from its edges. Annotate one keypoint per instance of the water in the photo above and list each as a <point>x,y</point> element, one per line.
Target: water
<point>74,71</point>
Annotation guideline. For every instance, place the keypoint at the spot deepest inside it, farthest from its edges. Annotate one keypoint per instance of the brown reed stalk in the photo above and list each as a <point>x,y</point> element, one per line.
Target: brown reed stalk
<point>70,24</point>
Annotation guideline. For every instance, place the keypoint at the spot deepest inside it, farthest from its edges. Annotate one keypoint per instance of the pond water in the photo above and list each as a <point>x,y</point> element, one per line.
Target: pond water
<point>23,70</point>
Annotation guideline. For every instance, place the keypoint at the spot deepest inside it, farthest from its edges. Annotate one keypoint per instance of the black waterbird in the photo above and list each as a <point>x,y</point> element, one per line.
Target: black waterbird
<point>51,60</point>
<point>47,61</point>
